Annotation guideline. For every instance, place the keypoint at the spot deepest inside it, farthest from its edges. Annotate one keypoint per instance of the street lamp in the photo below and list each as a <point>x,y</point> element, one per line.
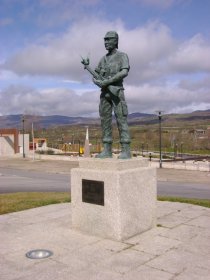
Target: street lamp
<point>23,120</point>
<point>142,149</point>
<point>181,150</point>
<point>160,136</point>
<point>175,150</point>
<point>79,148</point>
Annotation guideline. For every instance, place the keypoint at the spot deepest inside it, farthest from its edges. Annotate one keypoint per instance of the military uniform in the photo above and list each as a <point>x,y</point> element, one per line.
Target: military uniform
<point>112,97</point>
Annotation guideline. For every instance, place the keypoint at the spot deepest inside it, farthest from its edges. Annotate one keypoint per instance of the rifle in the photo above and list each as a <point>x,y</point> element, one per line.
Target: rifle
<point>114,91</point>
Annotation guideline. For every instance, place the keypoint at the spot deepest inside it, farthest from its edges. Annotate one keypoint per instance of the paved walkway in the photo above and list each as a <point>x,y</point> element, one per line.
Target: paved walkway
<point>178,248</point>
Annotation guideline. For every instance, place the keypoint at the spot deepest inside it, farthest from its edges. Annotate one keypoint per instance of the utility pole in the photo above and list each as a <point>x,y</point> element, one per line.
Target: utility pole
<point>23,120</point>
<point>160,136</point>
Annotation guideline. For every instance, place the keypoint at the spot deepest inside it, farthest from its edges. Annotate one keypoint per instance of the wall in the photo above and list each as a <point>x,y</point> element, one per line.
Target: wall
<point>26,143</point>
<point>7,145</point>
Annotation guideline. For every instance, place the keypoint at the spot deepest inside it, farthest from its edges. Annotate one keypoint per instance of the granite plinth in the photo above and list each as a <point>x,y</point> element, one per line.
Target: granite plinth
<point>129,198</point>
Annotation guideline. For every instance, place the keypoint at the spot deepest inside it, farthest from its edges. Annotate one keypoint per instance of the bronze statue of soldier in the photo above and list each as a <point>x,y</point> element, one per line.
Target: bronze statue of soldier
<point>112,69</point>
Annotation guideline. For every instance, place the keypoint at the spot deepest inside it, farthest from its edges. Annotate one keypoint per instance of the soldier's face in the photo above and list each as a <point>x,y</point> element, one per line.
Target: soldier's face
<point>110,43</point>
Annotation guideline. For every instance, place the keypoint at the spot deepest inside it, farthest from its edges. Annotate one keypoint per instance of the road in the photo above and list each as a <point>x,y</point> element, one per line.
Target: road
<point>182,189</point>
<point>19,180</point>
<point>15,180</point>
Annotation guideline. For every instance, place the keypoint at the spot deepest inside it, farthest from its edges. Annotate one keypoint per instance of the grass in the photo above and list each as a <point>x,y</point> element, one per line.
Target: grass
<point>13,202</point>
<point>195,201</point>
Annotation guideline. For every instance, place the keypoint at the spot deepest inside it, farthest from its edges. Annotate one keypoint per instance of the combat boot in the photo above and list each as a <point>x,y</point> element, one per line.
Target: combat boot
<point>107,151</point>
<point>125,152</point>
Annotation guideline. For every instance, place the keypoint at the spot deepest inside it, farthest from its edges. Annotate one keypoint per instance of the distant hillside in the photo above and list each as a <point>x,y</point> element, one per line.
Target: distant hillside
<point>194,118</point>
<point>133,116</point>
<point>15,121</point>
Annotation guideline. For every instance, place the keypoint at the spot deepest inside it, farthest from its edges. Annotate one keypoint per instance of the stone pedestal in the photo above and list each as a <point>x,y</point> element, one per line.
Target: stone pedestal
<point>113,198</point>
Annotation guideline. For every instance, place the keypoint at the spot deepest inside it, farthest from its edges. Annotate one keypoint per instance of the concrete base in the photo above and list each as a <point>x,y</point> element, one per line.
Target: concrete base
<point>130,195</point>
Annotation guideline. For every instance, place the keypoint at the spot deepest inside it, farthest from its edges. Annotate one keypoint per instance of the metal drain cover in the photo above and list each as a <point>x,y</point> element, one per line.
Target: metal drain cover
<point>39,254</point>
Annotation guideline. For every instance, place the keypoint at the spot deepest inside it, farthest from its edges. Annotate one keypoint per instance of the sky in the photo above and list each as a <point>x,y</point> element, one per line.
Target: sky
<point>42,41</point>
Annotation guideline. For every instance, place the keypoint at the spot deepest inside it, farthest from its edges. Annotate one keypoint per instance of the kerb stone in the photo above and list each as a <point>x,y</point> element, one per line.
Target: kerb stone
<point>130,193</point>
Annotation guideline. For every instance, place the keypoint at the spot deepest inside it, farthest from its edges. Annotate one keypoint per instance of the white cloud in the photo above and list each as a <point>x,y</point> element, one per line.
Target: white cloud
<point>20,99</point>
<point>191,56</point>
<point>61,56</point>
<point>152,50</point>
<point>167,97</point>
<point>156,60</point>
<point>147,47</point>
<point>148,98</point>
<point>158,3</point>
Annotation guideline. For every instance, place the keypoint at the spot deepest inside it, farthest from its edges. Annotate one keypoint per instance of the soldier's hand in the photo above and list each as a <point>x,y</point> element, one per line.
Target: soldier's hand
<point>97,82</point>
<point>101,83</point>
<point>105,83</point>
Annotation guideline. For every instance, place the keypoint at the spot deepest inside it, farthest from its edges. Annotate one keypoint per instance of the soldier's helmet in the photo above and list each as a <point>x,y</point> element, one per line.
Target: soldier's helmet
<point>112,34</point>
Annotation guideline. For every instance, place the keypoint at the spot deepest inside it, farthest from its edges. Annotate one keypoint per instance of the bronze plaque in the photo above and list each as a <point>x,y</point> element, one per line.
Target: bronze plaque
<point>93,191</point>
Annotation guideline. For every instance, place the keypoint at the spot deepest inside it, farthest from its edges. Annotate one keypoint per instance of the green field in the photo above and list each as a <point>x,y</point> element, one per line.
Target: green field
<point>14,202</point>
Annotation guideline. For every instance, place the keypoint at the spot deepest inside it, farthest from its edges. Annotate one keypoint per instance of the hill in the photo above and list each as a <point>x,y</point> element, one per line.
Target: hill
<point>194,118</point>
<point>15,121</point>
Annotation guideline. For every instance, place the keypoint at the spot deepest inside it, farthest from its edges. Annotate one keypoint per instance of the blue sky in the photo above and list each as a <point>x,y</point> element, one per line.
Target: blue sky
<point>167,41</point>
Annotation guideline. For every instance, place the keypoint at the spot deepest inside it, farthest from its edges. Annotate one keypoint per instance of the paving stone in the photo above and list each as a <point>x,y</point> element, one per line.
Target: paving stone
<point>126,260</point>
<point>182,232</point>
<point>178,260</point>
<point>100,251</point>
<point>198,246</point>
<point>204,232</point>
<point>192,212</point>
<point>97,273</point>
<point>164,211</point>
<point>194,273</point>
<point>172,220</point>
<point>147,234</point>
<point>57,272</point>
<point>203,221</point>
<point>9,271</point>
<point>156,245</point>
<point>147,273</point>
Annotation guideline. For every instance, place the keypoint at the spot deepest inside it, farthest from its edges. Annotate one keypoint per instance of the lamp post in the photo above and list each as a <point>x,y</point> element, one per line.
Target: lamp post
<point>96,142</point>
<point>142,149</point>
<point>175,150</point>
<point>79,148</point>
<point>160,136</point>
<point>23,120</point>
<point>181,150</point>
<point>72,139</point>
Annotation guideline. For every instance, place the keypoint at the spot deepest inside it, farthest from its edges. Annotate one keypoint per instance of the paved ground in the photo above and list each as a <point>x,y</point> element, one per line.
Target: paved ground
<point>50,166</point>
<point>177,249</point>
<point>63,167</point>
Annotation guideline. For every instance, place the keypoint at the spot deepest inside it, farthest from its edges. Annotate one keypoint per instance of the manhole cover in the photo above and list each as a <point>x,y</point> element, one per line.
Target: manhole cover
<point>39,254</point>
